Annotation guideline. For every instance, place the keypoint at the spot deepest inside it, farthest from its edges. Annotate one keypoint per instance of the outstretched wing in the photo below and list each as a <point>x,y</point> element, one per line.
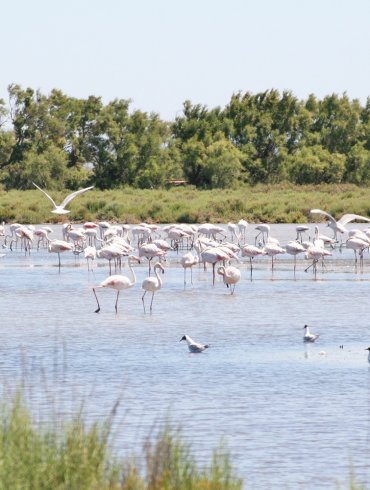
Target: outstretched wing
<point>69,198</point>
<point>347,218</point>
<point>46,194</point>
<point>324,213</point>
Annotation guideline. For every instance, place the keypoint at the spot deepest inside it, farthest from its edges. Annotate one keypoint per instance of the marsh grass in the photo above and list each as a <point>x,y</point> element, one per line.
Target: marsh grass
<point>74,455</point>
<point>263,203</point>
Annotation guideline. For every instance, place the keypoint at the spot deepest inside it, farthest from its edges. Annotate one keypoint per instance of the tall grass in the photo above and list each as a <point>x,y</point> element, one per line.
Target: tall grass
<point>263,203</point>
<point>78,456</point>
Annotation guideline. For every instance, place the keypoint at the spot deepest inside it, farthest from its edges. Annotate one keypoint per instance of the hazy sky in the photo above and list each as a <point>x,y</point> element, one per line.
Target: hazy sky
<point>161,53</point>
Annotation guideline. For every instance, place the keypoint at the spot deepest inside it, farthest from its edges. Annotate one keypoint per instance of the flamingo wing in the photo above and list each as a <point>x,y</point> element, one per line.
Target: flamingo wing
<point>347,218</point>
<point>324,213</point>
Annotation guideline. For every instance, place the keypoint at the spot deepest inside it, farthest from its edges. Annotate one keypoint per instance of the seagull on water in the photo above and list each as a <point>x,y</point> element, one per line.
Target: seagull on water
<point>368,357</point>
<point>308,336</point>
<point>60,209</point>
<point>193,346</point>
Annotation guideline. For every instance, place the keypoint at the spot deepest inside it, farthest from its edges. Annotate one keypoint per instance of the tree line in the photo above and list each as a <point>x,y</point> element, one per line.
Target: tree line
<point>59,141</point>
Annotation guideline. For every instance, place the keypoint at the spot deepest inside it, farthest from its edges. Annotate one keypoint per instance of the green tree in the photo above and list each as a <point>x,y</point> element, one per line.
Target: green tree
<point>48,169</point>
<point>338,123</point>
<point>222,165</point>
<point>316,165</point>
<point>358,165</point>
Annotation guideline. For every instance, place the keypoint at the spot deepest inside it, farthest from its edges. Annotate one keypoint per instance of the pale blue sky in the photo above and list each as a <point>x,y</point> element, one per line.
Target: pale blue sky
<point>161,53</point>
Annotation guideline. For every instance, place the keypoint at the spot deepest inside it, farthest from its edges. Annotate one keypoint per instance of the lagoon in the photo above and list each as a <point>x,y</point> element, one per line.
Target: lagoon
<point>292,415</point>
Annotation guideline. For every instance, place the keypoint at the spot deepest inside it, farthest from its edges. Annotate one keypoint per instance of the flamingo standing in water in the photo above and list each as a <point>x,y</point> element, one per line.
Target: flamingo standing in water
<point>273,249</point>
<point>315,253</point>
<point>118,282</point>
<point>212,256</point>
<point>150,250</point>
<point>294,248</point>
<point>187,261</point>
<point>300,229</point>
<point>231,276</point>
<point>59,246</point>
<point>263,229</point>
<point>252,251</point>
<point>358,244</point>
<point>243,225</point>
<point>152,284</point>
<point>90,255</point>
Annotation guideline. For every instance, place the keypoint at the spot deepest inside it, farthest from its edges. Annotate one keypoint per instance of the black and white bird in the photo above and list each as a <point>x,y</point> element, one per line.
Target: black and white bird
<point>308,336</point>
<point>368,357</point>
<point>194,347</point>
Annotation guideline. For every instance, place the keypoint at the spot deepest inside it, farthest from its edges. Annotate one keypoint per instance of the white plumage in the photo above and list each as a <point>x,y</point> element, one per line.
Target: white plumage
<point>308,336</point>
<point>194,347</point>
<point>59,209</point>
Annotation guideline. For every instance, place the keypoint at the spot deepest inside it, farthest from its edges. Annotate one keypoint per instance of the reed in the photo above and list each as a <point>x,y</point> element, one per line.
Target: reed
<point>79,456</point>
<point>284,203</point>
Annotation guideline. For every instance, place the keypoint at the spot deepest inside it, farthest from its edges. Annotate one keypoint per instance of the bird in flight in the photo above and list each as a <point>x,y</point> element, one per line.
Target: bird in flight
<point>60,209</point>
<point>339,225</point>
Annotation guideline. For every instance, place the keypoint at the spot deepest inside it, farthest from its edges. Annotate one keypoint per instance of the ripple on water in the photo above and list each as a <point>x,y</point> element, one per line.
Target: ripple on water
<point>279,404</point>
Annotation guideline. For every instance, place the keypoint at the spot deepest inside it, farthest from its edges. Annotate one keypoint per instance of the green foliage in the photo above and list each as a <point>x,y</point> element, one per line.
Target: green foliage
<point>222,165</point>
<point>315,165</point>
<point>71,454</point>
<point>268,137</point>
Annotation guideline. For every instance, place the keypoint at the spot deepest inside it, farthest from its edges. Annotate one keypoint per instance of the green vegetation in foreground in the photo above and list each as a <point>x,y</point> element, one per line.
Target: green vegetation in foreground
<point>79,457</point>
<point>262,203</point>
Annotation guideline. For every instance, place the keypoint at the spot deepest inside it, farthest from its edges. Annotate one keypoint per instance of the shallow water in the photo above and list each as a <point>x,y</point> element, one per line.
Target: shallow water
<point>292,415</point>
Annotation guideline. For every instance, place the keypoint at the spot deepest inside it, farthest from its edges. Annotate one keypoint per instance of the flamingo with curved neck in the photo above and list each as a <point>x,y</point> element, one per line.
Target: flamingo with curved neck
<point>118,282</point>
<point>152,284</point>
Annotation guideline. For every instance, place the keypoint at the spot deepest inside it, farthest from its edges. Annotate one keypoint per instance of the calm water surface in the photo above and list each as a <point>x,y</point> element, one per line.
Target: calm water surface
<point>293,415</point>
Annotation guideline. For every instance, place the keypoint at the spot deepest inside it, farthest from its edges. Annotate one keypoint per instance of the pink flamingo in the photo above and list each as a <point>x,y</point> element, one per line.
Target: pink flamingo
<point>59,246</point>
<point>118,282</point>
<point>231,276</point>
<point>152,284</point>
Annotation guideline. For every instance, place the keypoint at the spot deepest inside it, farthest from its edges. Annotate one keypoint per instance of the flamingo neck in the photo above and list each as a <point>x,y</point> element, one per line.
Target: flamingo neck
<point>132,273</point>
<point>158,276</point>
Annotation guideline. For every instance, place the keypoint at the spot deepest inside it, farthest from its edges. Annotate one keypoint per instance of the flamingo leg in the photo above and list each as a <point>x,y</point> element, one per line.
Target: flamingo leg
<point>142,299</point>
<point>309,266</point>
<point>116,306</point>
<point>151,303</point>
<point>315,267</point>
<point>98,309</point>
<point>213,272</point>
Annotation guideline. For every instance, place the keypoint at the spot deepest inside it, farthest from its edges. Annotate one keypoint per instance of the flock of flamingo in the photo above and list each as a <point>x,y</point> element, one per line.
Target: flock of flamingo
<point>204,244</point>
